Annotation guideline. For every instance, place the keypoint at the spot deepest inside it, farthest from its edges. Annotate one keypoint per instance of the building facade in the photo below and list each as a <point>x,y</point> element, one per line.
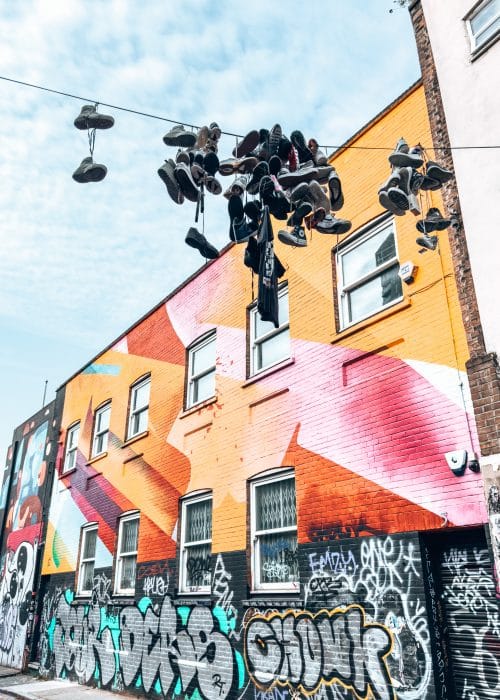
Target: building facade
<point>244,511</point>
<point>24,505</point>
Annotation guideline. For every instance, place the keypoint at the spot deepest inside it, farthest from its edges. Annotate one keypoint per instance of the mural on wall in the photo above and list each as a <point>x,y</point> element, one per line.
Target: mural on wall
<point>365,420</point>
<point>22,494</point>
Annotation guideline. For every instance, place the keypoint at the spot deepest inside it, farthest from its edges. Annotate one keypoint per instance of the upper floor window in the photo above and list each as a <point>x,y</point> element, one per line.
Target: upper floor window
<point>139,406</point>
<point>101,430</point>
<point>483,23</point>
<point>72,436</point>
<point>196,545</point>
<point>274,533</point>
<point>269,345</point>
<point>126,554</point>
<point>367,273</point>
<point>87,559</point>
<point>201,371</point>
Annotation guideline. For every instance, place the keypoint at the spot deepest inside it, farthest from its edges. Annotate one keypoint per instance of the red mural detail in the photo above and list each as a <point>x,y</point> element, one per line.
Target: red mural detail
<point>340,503</point>
<point>27,534</point>
<point>156,338</point>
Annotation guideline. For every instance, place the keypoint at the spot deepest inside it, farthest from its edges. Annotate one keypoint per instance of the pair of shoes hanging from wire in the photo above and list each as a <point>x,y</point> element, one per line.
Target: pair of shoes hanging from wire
<point>90,120</point>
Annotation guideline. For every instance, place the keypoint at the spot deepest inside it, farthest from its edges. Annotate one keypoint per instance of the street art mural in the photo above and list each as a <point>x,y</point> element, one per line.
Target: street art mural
<point>23,491</point>
<point>16,585</point>
<point>363,417</point>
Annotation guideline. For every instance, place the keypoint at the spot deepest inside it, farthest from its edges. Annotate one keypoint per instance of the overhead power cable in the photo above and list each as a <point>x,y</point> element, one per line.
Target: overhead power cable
<point>226,133</point>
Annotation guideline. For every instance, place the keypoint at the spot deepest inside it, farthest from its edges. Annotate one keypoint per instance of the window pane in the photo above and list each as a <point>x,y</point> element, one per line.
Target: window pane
<point>100,443</point>
<point>272,350</point>
<point>263,327</point>
<point>141,395</point>
<point>130,529</point>
<point>90,539</point>
<point>203,357</point>
<point>73,436</point>
<point>199,521</point>
<point>278,558</point>
<point>368,256</point>
<point>140,422</point>
<point>485,15</point>
<point>489,31</point>
<point>374,294</point>
<point>198,565</point>
<point>102,422</point>
<point>203,387</point>
<point>276,505</point>
<point>87,576</point>
<point>127,578</point>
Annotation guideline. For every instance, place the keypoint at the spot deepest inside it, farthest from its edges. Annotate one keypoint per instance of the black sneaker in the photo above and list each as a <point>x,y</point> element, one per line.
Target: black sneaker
<point>296,237</point>
<point>437,172</point>
<point>197,240</point>
<point>242,231</point>
<point>335,189</point>
<point>247,145</point>
<point>167,174</point>
<point>298,140</point>
<point>428,242</point>
<point>279,206</point>
<point>186,182</point>
<point>302,210</point>
<point>434,221</point>
<point>178,136</point>
<point>90,119</point>
<point>331,224</point>
<point>275,136</point>
<point>398,156</point>
<point>259,171</point>
<point>253,210</point>
<point>88,171</point>
<point>235,208</point>
<point>251,257</point>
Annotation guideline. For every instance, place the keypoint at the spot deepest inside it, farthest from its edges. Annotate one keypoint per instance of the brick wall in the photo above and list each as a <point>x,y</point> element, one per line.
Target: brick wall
<point>482,368</point>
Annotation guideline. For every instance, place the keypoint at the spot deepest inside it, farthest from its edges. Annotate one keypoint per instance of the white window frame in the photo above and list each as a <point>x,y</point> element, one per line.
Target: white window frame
<point>136,411</point>
<point>70,452</point>
<point>474,44</point>
<point>257,584</point>
<point>121,556</point>
<point>92,527</point>
<point>256,342</point>
<point>184,546</point>
<point>345,290</point>
<point>100,436</point>
<point>192,378</point>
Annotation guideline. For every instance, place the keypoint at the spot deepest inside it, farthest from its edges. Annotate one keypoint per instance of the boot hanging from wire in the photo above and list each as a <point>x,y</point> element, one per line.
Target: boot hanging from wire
<point>90,120</point>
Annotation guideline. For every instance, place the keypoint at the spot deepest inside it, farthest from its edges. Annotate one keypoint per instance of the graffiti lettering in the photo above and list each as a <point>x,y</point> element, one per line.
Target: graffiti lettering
<point>334,562</point>
<point>224,595</point>
<point>302,650</point>
<point>16,585</point>
<point>155,586</point>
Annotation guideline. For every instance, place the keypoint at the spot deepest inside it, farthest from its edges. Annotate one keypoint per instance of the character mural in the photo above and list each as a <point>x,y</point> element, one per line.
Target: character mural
<point>361,414</point>
<point>24,489</point>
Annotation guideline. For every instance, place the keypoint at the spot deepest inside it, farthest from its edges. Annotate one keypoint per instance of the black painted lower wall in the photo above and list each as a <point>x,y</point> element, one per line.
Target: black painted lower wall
<point>363,625</point>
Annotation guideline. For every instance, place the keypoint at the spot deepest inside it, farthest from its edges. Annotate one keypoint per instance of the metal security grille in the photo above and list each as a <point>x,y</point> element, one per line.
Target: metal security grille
<point>199,526</point>
<point>276,505</point>
<point>472,613</point>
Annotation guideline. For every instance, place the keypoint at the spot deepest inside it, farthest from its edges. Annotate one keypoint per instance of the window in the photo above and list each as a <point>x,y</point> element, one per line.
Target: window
<point>269,345</point>
<point>101,430</point>
<point>195,571</point>
<point>139,405</point>
<point>274,533</point>
<point>368,274</point>
<point>483,23</point>
<point>87,559</point>
<point>71,447</point>
<point>126,556</point>
<point>201,371</point>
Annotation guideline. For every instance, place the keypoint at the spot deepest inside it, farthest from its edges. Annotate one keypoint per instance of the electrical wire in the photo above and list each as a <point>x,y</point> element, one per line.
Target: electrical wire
<point>226,133</point>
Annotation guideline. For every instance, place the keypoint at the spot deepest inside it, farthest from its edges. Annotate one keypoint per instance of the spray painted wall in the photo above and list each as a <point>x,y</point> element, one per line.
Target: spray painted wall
<point>364,417</point>
<point>24,489</point>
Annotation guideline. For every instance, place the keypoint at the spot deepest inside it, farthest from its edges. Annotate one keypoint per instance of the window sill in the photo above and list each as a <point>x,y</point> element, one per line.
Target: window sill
<point>478,51</point>
<point>125,598</point>
<point>67,473</point>
<point>97,458</point>
<point>270,370</point>
<point>193,599</point>
<point>379,316</point>
<point>265,602</point>
<point>193,409</point>
<point>135,438</point>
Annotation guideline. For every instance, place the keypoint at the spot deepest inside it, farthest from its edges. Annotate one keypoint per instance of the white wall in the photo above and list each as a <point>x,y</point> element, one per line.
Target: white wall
<point>471,97</point>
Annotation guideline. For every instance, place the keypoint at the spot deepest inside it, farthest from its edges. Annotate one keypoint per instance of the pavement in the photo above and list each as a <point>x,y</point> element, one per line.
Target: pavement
<point>14,684</point>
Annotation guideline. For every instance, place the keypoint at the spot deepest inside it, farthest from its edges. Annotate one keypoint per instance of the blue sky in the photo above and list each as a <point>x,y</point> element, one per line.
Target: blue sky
<point>80,263</point>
